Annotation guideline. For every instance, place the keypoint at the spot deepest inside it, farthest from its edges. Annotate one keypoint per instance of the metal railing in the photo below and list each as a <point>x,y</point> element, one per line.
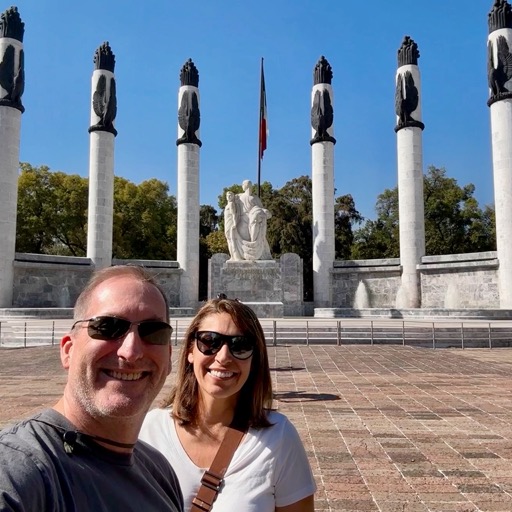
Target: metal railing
<point>371,332</point>
<point>432,334</point>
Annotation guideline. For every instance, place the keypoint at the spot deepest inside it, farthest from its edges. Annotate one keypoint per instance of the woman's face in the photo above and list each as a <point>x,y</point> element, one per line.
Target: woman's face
<point>220,376</point>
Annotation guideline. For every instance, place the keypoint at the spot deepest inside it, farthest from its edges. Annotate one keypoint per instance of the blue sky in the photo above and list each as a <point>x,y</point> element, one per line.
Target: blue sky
<point>226,39</point>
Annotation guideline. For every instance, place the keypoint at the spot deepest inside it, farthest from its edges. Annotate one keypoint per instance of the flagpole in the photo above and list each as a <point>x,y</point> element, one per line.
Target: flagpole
<point>260,121</point>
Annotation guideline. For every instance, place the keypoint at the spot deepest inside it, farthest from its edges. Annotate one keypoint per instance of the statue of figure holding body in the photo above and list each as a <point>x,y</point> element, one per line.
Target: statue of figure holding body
<point>245,225</point>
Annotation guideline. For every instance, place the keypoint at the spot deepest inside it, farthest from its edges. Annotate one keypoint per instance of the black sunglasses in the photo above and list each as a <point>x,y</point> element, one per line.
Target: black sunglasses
<point>210,342</point>
<point>111,328</point>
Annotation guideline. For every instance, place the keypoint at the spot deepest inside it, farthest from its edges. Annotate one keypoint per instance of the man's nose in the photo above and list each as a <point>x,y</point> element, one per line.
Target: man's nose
<point>132,346</point>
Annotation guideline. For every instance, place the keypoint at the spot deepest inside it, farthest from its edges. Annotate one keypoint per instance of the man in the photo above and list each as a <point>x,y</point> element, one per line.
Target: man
<point>83,454</point>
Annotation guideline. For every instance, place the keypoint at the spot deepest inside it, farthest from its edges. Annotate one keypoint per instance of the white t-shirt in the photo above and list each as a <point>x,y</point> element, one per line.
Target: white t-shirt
<point>269,469</point>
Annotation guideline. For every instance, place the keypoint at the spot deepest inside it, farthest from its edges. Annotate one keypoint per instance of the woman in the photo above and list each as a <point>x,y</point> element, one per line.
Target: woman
<point>223,375</point>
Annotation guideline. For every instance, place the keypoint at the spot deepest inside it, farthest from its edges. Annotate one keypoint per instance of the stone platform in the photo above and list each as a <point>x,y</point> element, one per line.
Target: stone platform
<point>420,313</point>
<point>273,288</point>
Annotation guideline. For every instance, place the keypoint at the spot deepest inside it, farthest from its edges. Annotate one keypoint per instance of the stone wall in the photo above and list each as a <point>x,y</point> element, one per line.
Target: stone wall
<point>460,281</point>
<point>47,281</point>
<point>380,278</point>
<point>455,281</point>
<point>42,281</point>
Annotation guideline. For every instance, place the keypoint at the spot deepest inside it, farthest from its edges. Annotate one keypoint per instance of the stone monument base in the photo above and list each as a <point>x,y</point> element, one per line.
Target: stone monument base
<point>272,288</point>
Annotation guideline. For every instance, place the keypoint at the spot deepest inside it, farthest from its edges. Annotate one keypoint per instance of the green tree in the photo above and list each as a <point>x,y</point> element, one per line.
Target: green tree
<point>208,227</point>
<point>379,238</point>
<point>208,220</point>
<point>291,227</point>
<point>345,217</point>
<point>487,226</point>
<point>51,214</point>
<point>216,243</point>
<point>145,220</point>
<point>453,219</point>
<point>454,222</point>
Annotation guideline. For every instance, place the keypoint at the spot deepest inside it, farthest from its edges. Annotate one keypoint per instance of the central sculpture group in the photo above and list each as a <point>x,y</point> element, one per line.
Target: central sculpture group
<point>245,225</point>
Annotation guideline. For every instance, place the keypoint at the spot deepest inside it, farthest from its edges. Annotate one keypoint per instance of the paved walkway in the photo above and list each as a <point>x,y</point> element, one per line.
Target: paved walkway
<point>387,428</point>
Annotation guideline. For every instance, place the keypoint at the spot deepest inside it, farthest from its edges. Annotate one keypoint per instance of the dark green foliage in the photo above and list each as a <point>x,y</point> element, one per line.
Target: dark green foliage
<point>454,222</point>
<point>52,216</point>
<point>345,217</point>
<point>145,218</point>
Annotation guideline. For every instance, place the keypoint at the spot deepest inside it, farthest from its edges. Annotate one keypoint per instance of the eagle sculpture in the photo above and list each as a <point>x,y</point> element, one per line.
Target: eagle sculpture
<point>406,99</point>
<point>12,80</point>
<point>189,118</point>
<point>322,117</point>
<point>105,104</point>
<point>499,72</point>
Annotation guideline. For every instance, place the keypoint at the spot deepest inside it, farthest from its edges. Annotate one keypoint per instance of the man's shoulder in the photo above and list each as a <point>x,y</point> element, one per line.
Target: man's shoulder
<point>25,452</point>
<point>27,430</point>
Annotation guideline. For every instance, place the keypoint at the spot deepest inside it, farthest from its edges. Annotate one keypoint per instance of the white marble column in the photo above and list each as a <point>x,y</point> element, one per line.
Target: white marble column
<point>188,184</point>
<point>500,103</point>
<point>409,130</point>
<point>101,159</point>
<point>11,53</point>
<point>322,154</point>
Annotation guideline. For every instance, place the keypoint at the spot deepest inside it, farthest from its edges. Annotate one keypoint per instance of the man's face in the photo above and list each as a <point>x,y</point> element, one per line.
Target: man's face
<point>118,378</point>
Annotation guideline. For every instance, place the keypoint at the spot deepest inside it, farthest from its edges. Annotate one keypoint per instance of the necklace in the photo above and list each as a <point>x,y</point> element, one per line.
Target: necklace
<point>70,437</point>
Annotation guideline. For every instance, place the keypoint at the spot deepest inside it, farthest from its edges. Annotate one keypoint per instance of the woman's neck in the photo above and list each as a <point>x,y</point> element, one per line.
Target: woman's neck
<point>214,418</point>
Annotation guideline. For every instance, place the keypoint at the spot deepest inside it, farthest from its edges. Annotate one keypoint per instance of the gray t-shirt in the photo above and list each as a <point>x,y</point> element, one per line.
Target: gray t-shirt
<point>41,472</point>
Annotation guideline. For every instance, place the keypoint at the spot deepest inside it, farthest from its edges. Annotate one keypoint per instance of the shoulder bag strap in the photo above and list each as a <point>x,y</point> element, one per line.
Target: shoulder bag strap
<point>213,477</point>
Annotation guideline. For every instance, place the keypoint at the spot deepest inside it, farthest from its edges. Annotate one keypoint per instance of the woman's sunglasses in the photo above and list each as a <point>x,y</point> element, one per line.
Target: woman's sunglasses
<point>210,342</point>
<point>112,328</point>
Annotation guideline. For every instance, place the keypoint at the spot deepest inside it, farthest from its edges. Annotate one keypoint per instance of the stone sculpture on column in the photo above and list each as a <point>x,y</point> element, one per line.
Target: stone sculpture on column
<point>499,69</point>
<point>322,151</point>
<point>12,67</point>
<point>409,130</point>
<point>245,225</point>
<point>12,85</point>
<point>101,158</point>
<point>188,184</point>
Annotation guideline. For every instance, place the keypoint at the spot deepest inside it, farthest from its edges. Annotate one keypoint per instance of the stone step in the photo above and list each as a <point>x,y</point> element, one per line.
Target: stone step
<point>65,313</point>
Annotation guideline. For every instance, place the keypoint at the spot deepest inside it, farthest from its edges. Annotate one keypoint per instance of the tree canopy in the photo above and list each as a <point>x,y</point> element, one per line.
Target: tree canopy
<point>145,220</point>
<point>52,216</point>
<point>454,222</point>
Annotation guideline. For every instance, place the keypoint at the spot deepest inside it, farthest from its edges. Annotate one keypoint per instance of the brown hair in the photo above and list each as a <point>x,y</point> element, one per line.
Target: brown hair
<point>256,394</point>
<point>138,273</point>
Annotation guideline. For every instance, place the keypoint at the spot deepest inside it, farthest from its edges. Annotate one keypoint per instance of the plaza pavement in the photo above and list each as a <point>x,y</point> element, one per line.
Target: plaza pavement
<point>386,428</point>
